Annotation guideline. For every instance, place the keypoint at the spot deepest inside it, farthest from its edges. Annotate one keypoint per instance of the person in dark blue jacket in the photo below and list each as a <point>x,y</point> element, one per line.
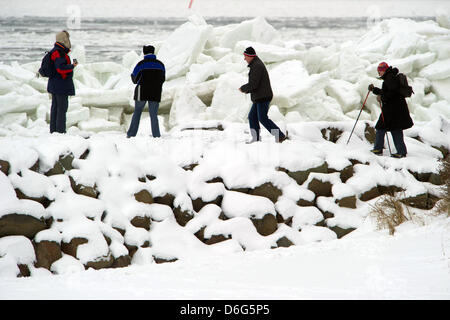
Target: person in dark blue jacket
<point>61,84</point>
<point>148,75</point>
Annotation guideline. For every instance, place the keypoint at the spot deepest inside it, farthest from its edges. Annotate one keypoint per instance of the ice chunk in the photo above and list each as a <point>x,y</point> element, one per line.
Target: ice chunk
<point>228,102</point>
<point>13,118</point>
<point>183,46</point>
<point>291,82</point>
<point>438,70</point>
<point>344,92</point>
<point>97,125</point>
<point>130,59</point>
<point>269,53</point>
<point>441,88</point>
<point>186,107</point>
<point>75,116</point>
<point>257,30</point>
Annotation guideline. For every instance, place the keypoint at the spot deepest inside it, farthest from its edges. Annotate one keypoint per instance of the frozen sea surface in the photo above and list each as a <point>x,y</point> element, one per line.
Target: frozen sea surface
<point>25,39</point>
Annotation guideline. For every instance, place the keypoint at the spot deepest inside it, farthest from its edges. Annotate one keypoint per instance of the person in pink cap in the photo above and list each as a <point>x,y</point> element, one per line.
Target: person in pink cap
<point>394,115</point>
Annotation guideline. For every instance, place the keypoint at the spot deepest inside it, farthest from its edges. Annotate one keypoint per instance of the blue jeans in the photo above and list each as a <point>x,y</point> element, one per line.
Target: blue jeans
<point>152,109</point>
<point>58,110</point>
<point>257,114</point>
<point>397,136</point>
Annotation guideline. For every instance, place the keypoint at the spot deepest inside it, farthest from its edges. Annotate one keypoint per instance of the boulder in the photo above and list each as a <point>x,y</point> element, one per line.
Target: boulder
<point>20,224</point>
<point>71,247</point>
<point>190,167</point>
<point>182,216</point>
<point>35,166</point>
<point>423,201</point>
<point>390,190</point>
<point>341,232</point>
<point>141,222</point>
<point>163,260</point>
<point>198,203</point>
<point>346,173</point>
<point>265,226</point>
<point>369,134</point>
<point>301,176</point>
<point>64,163</point>
<point>347,202</point>
<point>24,271</point>
<point>84,190</point>
<point>320,188</point>
<point>4,167</point>
<point>331,134</point>
<point>267,190</point>
<point>284,242</point>
<point>42,200</point>
<point>370,194</point>
<point>305,203</point>
<point>422,177</point>
<point>122,261</point>
<point>215,180</point>
<point>101,263</point>
<point>85,154</point>
<point>144,196</point>
<point>131,249</point>
<point>47,252</point>
<point>166,199</point>
<point>436,179</point>
<point>57,169</point>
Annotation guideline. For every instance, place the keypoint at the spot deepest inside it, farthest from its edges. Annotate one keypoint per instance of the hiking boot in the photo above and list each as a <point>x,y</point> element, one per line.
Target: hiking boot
<point>398,156</point>
<point>283,139</point>
<point>377,152</point>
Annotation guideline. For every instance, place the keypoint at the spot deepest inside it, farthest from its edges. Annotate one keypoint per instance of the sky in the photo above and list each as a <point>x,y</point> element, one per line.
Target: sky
<point>176,8</point>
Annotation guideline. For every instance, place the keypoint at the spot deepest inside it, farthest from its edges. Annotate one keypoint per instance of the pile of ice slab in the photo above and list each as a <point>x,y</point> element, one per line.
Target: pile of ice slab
<point>205,68</point>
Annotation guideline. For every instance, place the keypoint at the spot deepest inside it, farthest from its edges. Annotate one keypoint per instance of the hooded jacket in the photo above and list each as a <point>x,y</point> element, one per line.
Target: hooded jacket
<point>258,82</point>
<point>394,111</point>
<point>62,82</point>
<point>149,75</point>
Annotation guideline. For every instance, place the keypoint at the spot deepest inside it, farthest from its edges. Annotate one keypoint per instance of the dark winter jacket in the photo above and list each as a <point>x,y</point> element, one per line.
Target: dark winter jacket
<point>62,82</point>
<point>258,82</point>
<point>394,111</point>
<point>149,75</point>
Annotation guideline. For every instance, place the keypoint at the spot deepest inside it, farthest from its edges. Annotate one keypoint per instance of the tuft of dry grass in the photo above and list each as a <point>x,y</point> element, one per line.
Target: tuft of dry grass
<point>389,213</point>
<point>443,207</point>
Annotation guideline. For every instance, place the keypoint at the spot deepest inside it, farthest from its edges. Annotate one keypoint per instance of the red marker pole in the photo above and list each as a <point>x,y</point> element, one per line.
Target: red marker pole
<point>190,3</point>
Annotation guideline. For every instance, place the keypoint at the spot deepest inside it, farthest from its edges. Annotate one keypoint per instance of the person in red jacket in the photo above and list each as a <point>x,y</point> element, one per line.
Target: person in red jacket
<point>60,85</point>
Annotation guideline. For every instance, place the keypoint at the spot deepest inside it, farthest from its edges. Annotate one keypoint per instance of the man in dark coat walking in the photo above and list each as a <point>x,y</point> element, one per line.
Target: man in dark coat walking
<point>60,84</point>
<point>148,75</point>
<point>394,111</point>
<point>261,94</point>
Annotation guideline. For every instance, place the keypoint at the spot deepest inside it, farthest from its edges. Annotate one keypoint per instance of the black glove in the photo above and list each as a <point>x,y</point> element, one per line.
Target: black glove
<point>371,86</point>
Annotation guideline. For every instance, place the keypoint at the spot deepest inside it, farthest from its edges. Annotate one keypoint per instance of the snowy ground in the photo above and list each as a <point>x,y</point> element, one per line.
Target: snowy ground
<point>413,264</point>
<point>315,88</point>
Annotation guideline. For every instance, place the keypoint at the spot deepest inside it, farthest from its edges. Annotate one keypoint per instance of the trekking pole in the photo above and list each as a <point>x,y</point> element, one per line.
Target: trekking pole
<point>358,115</point>
<point>386,135</point>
